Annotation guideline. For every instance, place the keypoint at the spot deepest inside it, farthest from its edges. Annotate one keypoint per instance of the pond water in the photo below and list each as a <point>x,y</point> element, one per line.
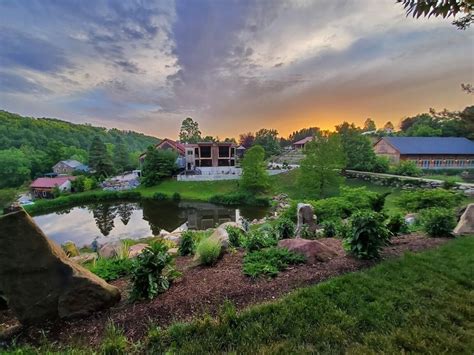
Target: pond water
<point>112,221</point>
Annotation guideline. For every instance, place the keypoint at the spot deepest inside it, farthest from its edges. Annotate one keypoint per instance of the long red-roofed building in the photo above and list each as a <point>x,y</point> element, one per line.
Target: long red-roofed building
<point>43,187</point>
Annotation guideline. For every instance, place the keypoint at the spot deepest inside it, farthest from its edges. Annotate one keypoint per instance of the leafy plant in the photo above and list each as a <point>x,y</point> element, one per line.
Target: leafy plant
<point>176,197</point>
<point>260,238</point>
<point>187,244</point>
<point>330,228</point>
<point>270,261</point>
<point>160,196</point>
<point>285,228</point>
<point>208,251</point>
<point>438,221</point>
<point>413,201</point>
<point>153,271</point>
<point>396,224</point>
<point>449,183</point>
<point>366,235</point>
<point>235,236</point>
<point>111,269</point>
<point>114,343</point>
<point>406,168</point>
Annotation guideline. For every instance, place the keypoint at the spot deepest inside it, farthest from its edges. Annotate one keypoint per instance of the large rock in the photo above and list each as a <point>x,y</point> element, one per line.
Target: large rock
<point>222,235</point>
<point>136,249</point>
<point>466,222</point>
<point>39,280</point>
<point>305,216</point>
<point>110,250</point>
<point>313,250</point>
<point>84,258</point>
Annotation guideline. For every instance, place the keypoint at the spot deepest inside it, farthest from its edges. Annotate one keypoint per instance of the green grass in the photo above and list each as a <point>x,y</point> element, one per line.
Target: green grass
<point>455,178</point>
<point>419,303</point>
<point>191,190</point>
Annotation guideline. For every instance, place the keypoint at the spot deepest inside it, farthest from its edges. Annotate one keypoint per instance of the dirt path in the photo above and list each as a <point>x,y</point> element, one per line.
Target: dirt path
<point>203,289</point>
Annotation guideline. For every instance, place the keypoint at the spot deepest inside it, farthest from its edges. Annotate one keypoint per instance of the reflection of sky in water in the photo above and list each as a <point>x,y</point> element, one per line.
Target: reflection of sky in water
<point>104,221</point>
<point>80,227</point>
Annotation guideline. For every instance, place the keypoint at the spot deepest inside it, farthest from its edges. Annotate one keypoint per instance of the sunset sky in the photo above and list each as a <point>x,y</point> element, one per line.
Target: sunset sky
<point>234,66</point>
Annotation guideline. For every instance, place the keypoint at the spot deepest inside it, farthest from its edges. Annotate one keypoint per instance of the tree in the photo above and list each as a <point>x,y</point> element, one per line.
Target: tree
<point>369,125</point>
<point>445,8</point>
<point>357,148</point>
<point>424,130</point>
<point>121,156</point>
<point>247,139</point>
<point>268,139</point>
<point>158,164</point>
<point>14,168</point>
<point>189,132</point>
<point>99,159</point>
<point>254,175</point>
<point>303,133</point>
<point>210,139</point>
<point>388,127</point>
<point>320,168</point>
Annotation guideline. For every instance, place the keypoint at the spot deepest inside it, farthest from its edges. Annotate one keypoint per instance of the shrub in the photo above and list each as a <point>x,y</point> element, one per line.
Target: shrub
<point>406,168</point>
<point>330,228</point>
<point>240,198</point>
<point>152,272</point>
<point>332,208</point>
<point>269,261</point>
<point>396,224</point>
<point>187,244</point>
<point>235,236</point>
<point>366,235</point>
<point>176,197</point>
<point>111,269</point>
<point>449,183</point>
<point>260,238</point>
<point>413,201</point>
<point>285,228</point>
<point>381,165</point>
<point>209,251</point>
<point>438,221</point>
<point>114,343</point>
<point>160,196</point>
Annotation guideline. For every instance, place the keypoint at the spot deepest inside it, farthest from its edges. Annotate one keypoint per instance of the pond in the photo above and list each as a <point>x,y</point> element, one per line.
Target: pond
<point>112,221</point>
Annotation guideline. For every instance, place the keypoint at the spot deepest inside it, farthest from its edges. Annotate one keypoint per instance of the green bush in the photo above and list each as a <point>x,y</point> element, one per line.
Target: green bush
<point>235,236</point>
<point>413,201</point>
<point>406,168</point>
<point>187,244</point>
<point>263,237</point>
<point>208,251</point>
<point>449,183</point>
<point>160,196</point>
<point>153,272</point>
<point>115,342</point>
<point>381,165</point>
<point>438,221</point>
<point>240,198</point>
<point>285,228</point>
<point>269,261</point>
<point>111,269</point>
<point>176,197</point>
<point>330,228</point>
<point>365,235</point>
<point>396,224</point>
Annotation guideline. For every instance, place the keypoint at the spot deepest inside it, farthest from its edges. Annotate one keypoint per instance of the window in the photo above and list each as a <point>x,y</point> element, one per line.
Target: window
<point>461,162</point>
<point>223,152</point>
<point>426,163</point>
<point>206,152</point>
<point>190,152</point>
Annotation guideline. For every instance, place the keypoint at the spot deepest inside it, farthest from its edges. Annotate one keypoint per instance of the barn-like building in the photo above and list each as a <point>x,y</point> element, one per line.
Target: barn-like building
<point>428,152</point>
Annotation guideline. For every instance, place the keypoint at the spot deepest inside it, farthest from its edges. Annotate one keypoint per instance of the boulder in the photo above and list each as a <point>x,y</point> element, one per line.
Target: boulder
<point>84,258</point>
<point>173,237</point>
<point>136,250</point>
<point>305,216</point>
<point>39,280</point>
<point>70,249</point>
<point>173,251</point>
<point>110,250</point>
<point>410,218</point>
<point>466,222</point>
<point>313,250</point>
<point>220,233</point>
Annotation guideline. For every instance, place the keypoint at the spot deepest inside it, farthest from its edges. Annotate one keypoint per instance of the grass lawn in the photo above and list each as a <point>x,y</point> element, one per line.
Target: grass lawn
<point>191,190</point>
<point>419,303</point>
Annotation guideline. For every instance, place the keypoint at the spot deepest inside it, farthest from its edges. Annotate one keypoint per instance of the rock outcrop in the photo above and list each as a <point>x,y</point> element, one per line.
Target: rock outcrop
<point>38,279</point>
<point>466,222</point>
<point>312,249</point>
<point>305,216</point>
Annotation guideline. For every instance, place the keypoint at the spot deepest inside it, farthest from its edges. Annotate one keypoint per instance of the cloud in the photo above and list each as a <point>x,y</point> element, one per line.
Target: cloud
<point>12,83</point>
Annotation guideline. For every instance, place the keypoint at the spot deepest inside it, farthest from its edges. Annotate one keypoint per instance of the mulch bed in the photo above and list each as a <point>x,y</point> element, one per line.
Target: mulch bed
<point>203,289</point>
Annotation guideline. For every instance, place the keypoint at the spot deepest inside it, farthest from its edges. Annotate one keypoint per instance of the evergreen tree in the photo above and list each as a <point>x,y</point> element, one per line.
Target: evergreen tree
<point>254,175</point>
<point>320,169</point>
<point>99,159</point>
<point>121,156</point>
<point>189,132</point>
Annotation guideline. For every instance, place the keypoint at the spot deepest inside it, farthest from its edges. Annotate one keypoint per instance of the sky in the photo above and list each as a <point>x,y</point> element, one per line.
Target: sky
<point>233,66</point>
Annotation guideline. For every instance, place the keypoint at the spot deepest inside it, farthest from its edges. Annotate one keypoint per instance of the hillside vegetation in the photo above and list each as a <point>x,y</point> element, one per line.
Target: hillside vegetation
<point>30,146</point>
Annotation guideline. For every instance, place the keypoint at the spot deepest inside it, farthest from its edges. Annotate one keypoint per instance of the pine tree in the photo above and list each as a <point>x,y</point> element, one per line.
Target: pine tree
<point>99,159</point>
<point>121,157</point>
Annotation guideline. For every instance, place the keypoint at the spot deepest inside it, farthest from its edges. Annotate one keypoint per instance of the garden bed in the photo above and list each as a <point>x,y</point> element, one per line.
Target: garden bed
<point>203,289</point>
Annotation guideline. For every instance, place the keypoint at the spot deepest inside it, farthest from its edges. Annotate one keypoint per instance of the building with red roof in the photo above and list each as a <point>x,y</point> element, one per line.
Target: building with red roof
<point>43,187</point>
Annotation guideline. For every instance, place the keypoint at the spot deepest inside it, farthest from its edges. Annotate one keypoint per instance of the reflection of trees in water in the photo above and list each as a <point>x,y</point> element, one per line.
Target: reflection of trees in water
<point>125,211</point>
<point>63,212</point>
<point>162,215</point>
<point>104,216</point>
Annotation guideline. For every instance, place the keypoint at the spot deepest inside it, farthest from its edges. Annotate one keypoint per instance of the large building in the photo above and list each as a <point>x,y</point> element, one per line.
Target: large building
<point>204,154</point>
<point>428,152</point>
<point>43,187</point>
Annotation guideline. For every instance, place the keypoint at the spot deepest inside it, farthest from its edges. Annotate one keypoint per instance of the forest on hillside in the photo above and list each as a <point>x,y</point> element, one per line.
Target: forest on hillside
<point>29,147</point>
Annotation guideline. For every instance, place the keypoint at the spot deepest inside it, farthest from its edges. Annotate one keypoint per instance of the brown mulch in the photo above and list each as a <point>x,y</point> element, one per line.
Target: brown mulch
<point>203,289</point>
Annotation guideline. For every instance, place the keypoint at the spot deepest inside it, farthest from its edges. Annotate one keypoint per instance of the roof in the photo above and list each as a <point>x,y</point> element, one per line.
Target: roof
<point>178,146</point>
<point>241,147</point>
<point>431,145</point>
<point>304,140</point>
<point>74,164</point>
<point>45,182</point>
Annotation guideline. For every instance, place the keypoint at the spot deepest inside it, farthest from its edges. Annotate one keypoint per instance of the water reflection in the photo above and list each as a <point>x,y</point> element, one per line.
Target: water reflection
<point>106,222</point>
